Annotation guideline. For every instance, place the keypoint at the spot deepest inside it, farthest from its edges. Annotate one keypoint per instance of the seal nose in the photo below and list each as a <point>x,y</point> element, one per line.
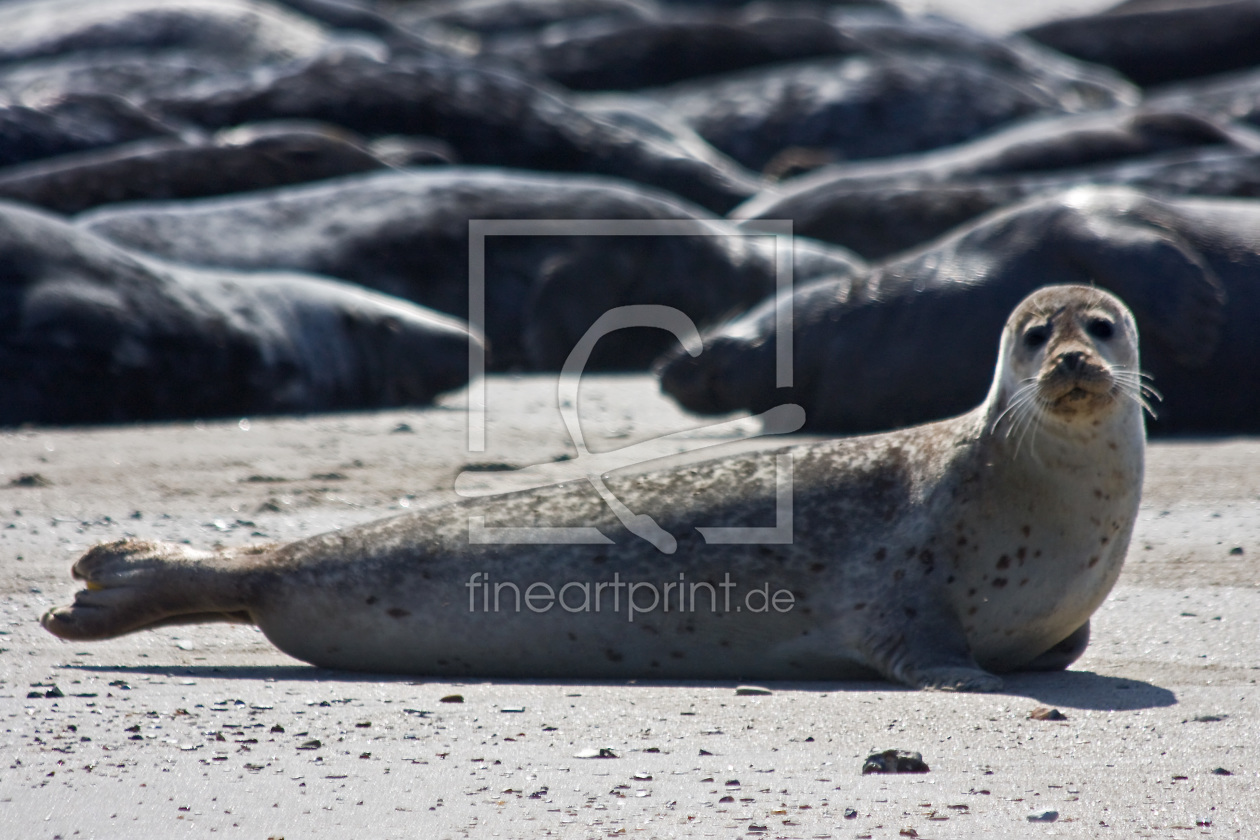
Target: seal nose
<point>1070,362</point>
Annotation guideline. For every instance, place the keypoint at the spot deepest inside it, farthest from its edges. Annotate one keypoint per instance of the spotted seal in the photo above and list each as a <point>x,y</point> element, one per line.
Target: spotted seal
<point>932,556</point>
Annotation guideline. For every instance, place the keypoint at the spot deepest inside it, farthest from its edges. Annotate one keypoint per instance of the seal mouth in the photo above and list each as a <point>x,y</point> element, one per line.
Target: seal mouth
<point>1070,395</point>
<point>1077,393</point>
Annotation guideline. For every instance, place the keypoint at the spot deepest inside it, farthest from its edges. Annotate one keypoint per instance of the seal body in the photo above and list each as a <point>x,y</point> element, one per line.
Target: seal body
<point>408,234</point>
<point>859,106</point>
<point>251,157</point>
<point>1154,42</point>
<point>93,333</point>
<point>489,114</point>
<point>889,205</point>
<point>931,556</point>
<point>75,123</point>
<point>905,343</point>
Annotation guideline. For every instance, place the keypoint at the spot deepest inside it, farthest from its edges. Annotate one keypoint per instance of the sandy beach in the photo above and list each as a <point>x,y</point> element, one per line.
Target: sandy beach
<point>189,731</point>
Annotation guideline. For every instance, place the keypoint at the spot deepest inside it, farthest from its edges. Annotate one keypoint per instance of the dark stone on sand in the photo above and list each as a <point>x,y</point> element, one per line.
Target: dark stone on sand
<point>895,761</point>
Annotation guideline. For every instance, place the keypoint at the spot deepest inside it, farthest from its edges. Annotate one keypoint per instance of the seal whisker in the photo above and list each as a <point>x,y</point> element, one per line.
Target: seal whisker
<point>1130,384</point>
<point>1139,377</point>
<point>1141,400</point>
<point>1029,416</point>
<point>1015,403</point>
<point>1037,415</point>
<point>1022,395</point>
<point>1019,406</point>
<point>1017,410</point>
<point>1134,387</point>
<point>1143,389</point>
<point>1139,391</point>
<point>1131,369</point>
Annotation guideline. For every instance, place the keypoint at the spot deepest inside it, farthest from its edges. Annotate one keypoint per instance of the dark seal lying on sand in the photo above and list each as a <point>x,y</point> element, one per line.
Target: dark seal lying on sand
<point>93,333</point>
<point>408,234</point>
<point>905,343</point>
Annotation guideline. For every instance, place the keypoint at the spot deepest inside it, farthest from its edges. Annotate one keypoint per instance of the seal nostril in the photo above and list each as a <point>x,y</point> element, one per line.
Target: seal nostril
<point>1071,362</point>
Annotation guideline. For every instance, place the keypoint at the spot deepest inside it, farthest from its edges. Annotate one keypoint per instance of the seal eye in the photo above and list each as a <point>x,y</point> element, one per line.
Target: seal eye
<point>1036,337</point>
<point>1101,328</point>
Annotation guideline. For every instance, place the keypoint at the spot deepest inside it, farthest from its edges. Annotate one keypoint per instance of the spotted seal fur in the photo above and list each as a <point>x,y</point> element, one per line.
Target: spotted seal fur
<point>932,556</point>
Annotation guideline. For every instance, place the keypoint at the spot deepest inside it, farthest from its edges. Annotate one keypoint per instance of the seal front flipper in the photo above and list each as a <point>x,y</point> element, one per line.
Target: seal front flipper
<point>922,645</point>
<point>136,584</point>
<point>1063,654</point>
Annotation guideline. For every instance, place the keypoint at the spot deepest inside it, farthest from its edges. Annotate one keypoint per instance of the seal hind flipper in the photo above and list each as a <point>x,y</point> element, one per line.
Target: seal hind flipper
<point>135,584</point>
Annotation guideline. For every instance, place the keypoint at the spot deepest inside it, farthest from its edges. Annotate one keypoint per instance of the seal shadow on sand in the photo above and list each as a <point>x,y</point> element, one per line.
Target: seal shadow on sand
<point>1083,690</point>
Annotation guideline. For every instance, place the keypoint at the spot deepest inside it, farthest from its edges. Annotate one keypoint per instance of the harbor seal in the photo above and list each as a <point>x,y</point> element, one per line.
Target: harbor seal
<point>932,556</point>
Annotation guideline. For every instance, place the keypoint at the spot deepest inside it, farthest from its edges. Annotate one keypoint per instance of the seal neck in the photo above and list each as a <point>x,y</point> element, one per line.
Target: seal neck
<point>1116,445</point>
<point>1030,433</point>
